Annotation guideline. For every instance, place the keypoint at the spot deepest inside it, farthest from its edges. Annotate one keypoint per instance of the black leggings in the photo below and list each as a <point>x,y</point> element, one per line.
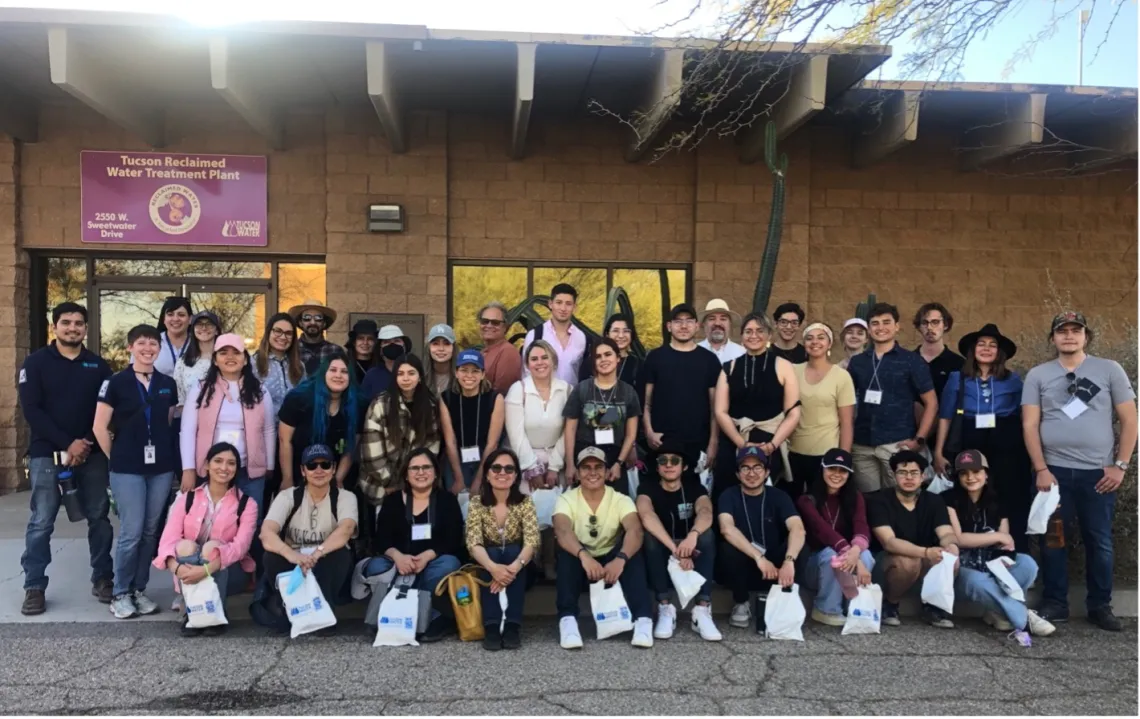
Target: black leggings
<point>332,572</point>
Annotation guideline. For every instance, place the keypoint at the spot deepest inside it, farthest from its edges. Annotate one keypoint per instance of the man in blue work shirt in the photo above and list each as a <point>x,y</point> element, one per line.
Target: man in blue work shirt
<point>889,380</point>
<point>59,387</point>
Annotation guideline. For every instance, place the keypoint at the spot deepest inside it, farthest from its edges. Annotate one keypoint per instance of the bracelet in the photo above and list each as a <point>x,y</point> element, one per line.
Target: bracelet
<point>207,567</point>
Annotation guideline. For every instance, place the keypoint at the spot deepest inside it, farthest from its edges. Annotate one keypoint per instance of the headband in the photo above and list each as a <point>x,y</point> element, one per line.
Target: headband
<point>819,326</point>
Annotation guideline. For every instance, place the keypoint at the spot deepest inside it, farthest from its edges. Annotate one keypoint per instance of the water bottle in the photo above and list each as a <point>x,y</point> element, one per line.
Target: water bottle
<point>463,596</point>
<point>69,495</point>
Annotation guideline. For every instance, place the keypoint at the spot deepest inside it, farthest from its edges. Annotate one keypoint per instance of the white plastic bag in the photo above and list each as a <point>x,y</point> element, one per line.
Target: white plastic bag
<point>939,484</point>
<point>464,498</point>
<point>306,607</point>
<point>204,605</point>
<point>864,611</point>
<point>1000,569</point>
<point>633,477</point>
<point>784,613</point>
<point>544,502</point>
<point>1044,504</point>
<point>396,622</point>
<point>611,613</point>
<point>938,585</point>
<point>687,582</point>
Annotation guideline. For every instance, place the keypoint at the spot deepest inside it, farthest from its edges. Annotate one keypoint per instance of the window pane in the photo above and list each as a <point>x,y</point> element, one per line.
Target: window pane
<point>644,288</point>
<point>119,311</point>
<point>299,282</point>
<point>242,313</point>
<point>181,268</point>
<point>590,283</point>
<point>66,282</point>
<point>474,286</point>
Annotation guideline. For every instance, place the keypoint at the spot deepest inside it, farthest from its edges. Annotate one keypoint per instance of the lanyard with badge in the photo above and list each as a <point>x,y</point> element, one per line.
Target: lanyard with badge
<point>605,435</point>
<point>874,396</point>
<point>420,532</point>
<point>987,419</point>
<point>469,453</point>
<point>181,350</point>
<point>149,456</point>
<point>760,547</point>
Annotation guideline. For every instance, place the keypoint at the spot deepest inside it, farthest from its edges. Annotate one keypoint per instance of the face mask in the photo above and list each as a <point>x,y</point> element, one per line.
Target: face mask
<point>393,352</point>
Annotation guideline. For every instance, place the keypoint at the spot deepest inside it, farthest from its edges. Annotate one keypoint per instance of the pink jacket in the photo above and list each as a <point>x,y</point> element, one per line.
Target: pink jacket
<point>235,536</point>
<point>255,419</point>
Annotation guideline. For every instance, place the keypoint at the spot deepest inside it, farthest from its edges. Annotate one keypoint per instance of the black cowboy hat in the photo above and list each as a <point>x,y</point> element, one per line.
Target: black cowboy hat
<point>966,344</point>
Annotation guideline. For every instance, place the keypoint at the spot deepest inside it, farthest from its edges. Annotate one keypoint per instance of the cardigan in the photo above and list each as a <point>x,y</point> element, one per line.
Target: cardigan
<point>394,531</point>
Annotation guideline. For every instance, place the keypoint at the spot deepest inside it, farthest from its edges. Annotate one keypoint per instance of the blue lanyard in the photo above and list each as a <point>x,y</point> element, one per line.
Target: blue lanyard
<point>170,346</point>
<point>146,406</point>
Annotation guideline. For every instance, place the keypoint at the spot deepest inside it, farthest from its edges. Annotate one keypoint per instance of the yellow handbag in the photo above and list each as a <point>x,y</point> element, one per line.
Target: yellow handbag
<point>462,586</point>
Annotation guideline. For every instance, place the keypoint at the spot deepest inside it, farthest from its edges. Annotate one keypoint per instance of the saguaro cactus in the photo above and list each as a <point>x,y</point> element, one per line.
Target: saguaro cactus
<point>779,169</point>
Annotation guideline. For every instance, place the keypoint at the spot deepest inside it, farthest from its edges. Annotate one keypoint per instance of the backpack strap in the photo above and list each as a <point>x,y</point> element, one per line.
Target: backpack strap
<point>298,495</point>
<point>242,501</point>
<point>334,498</point>
<point>190,500</point>
<point>472,572</point>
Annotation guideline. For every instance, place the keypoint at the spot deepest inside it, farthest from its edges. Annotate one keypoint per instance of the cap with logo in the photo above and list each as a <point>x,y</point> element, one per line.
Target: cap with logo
<point>473,357</point>
<point>754,452</point>
<point>838,458</point>
<point>969,459</point>
<point>591,453</point>
<point>317,451</point>
<point>441,331</point>
<point>1068,318</point>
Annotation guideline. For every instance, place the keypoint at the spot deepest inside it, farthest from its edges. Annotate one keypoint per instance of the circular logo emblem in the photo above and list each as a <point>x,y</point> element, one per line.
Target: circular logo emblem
<point>174,209</point>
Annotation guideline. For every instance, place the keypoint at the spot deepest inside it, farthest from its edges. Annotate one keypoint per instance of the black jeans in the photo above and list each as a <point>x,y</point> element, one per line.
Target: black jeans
<point>516,590</point>
<point>332,572</point>
<point>740,574</point>
<point>657,564</point>
<point>807,469</point>
<point>571,577</point>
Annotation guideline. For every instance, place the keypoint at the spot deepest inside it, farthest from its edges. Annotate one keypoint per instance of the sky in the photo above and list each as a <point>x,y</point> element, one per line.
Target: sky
<point>1053,62</point>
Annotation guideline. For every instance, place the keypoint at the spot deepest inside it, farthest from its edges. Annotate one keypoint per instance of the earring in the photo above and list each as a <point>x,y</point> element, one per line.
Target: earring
<point>829,354</point>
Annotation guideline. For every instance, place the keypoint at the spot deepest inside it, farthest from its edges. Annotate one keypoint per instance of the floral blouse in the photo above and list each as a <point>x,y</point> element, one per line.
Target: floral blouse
<point>276,381</point>
<point>521,525</point>
<point>188,378</point>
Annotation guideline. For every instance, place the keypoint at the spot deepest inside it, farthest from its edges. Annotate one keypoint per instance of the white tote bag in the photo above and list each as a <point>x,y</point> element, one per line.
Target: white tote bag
<point>938,585</point>
<point>1044,504</point>
<point>784,613</point>
<point>939,484</point>
<point>544,502</point>
<point>864,612</point>
<point>633,477</point>
<point>687,582</point>
<point>611,613</point>
<point>204,605</point>
<point>1000,569</point>
<point>306,607</point>
<point>396,622</point>
<point>464,498</point>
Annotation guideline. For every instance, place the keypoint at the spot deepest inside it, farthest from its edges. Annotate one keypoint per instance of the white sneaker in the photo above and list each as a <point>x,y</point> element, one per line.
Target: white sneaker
<point>666,621</point>
<point>643,633</point>
<point>123,607</point>
<point>741,616</point>
<point>145,604</point>
<point>703,624</point>
<point>1039,626</point>
<point>997,622</point>
<point>569,636</point>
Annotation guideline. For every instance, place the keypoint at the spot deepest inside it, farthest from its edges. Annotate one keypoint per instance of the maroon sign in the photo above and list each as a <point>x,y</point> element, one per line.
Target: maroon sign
<point>174,199</point>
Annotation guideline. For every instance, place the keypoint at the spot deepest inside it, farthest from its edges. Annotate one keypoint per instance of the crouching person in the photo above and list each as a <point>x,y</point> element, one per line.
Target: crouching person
<point>209,533</point>
<point>599,535</point>
<point>981,529</point>
<point>914,529</point>
<point>760,528</point>
<point>420,533</point>
<point>310,525</point>
<point>677,516</point>
<point>838,537</point>
<point>502,536</point>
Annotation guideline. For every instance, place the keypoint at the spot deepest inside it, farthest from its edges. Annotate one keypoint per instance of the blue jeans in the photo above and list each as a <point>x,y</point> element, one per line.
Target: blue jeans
<point>142,503</point>
<point>981,587</point>
<point>426,580</point>
<point>821,577</point>
<point>571,577</point>
<point>231,576</point>
<point>91,479</point>
<point>657,565</point>
<point>1094,512</point>
<point>516,590</point>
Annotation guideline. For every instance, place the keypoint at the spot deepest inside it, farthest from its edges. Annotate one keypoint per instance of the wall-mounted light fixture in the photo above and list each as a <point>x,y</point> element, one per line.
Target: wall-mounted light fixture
<point>385,218</point>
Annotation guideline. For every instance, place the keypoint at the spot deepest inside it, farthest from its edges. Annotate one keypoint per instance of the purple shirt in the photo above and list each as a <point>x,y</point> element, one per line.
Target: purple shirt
<point>569,357</point>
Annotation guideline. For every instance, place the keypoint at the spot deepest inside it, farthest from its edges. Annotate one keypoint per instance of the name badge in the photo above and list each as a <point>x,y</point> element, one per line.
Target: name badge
<point>873,396</point>
<point>760,548</point>
<point>230,437</point>
<point>149,454</point>
<point>985,421</point>
<point>421,532</point>
<point>604,436</point>
<point>685,511</point>
<point>1075,408</point>
<point>469,454</point>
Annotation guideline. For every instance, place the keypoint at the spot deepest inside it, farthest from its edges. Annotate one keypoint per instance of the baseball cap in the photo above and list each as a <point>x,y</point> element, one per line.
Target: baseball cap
<point>683,309</point>
<point>970,459</point>
<point>317,451</point>
<point>839,458</point>
<point>591,453</point>
<point>1068,318</point>
<point>749,451</point>
<point>474,357</point>
<point>207,315</point>
<point>441,330</point>
<point>229,340</point>
<point>853,322</point>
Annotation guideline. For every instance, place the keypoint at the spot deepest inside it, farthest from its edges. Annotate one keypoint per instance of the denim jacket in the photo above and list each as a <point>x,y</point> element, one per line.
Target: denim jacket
<point>276,381</point>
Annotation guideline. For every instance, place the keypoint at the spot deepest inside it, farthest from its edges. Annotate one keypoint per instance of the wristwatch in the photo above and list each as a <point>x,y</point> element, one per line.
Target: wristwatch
<point>621,556</point>
<point>920,441</point>
<point>1121,465</point>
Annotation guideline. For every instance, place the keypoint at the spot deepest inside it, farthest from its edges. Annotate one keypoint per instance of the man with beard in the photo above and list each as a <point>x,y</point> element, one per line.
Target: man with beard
<point>394,344</point>
<point>59,388</point>
<point>933,321</point>
<point>314,319</point>
<point>717,321</point>
<point>789,316</point>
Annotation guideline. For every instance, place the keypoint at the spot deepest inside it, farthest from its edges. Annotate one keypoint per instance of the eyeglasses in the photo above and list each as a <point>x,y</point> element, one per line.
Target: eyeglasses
<point>312,318</point>
<point>593,526</point>
<point>753,332</point>
<point>788,323</point>
<point>281,333</point>
<point>669,461</point>
<point>420,469</point>
<point>911,473</point>
<point>503,468</point>
<point>493,323</point>
<point>1072,377</point>
<point>930,323</point>
<point>320,464</point>
<point>751,468</point>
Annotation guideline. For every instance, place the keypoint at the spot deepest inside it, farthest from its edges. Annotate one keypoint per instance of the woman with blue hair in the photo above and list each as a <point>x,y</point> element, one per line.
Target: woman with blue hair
<point>323,409</point>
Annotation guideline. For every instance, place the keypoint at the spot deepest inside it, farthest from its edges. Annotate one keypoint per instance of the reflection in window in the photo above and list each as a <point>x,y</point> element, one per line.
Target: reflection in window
<point>590,283</point>
<point>66,282</point>
<point>474,286</point>
<point>242,313</point>
<point>644,288</point>
<point>299,282</point>
<point>181,268</point>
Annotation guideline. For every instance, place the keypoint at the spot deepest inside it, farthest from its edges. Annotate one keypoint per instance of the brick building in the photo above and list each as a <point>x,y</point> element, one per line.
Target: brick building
<point>508,182</point>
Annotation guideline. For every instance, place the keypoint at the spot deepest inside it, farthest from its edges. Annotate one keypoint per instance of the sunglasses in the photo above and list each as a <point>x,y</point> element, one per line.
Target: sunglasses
<point>669,461</point>
<point>493,323</point>
<point>593,526</point>
<point>319,464</point>
<point>312,318</point>
<point>1072,377</point>
<point>503,468</point>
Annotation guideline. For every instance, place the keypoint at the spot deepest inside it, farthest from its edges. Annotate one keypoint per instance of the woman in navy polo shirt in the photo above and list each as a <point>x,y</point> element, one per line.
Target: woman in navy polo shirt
<point>139,401</point>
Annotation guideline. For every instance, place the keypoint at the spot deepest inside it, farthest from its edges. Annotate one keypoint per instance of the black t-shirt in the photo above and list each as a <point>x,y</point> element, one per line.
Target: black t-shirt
<point>915,526</point>
<point>470,417</point>
<point>596,409</point>
<point>681,383</point>
<point>796,355</point>
<point>941,367</point>
<point>762,519</point>
<point>297,412</point>
<point>676,510</point>
<point>975,519</point>
<point>130,400</point>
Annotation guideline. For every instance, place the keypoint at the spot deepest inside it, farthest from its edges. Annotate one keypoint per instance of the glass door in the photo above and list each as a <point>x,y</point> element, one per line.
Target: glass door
<point>121,307</point>
<point>241,310</point>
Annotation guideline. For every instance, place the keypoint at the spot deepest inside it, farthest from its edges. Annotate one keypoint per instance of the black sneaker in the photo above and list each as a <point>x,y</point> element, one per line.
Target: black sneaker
<point>1105,619</point>
<point>326,632</point>
<point>34,603</point>
<point>103,590</point>
<point>1053,613</point>
<point>216,630</point>
<point>439,628</point>
<point>511,638</point>
<point>891,614</point>
<point>188,631</point>
<point>758,607</point>
<point>492,639</point>
<point>936,617</point>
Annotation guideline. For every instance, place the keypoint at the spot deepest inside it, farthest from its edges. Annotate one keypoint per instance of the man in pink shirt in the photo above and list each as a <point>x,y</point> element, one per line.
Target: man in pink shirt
<point>569,343</point>
<point>504,364</point>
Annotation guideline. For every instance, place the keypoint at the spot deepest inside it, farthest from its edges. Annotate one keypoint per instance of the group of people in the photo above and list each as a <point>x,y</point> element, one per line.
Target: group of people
<point>758,464</point>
